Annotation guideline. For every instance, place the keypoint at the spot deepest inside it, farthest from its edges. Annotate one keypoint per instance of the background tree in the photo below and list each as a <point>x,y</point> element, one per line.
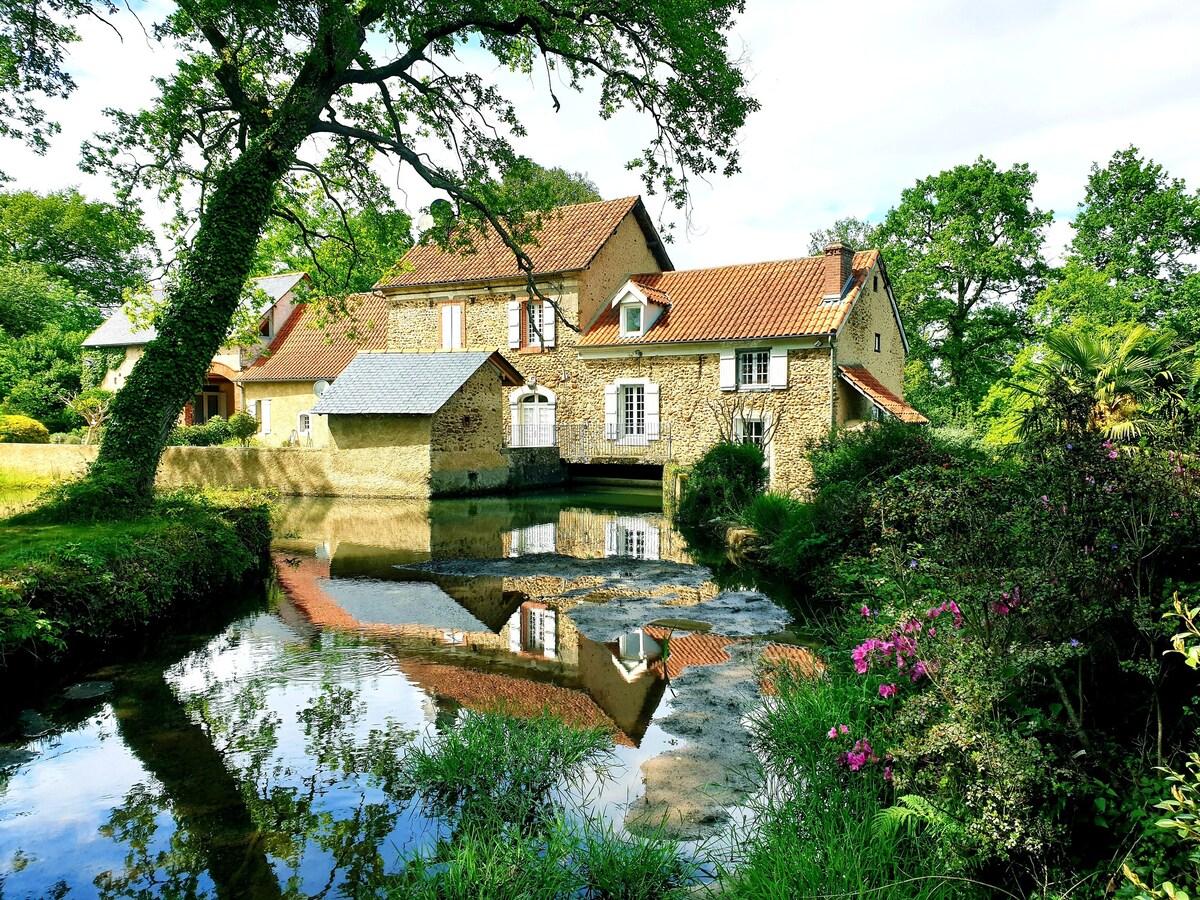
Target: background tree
<point>543,188</point>
<point>98,249</point>
<point>31,299</point>
<point>964,251</point>
<point>257,83</point>
<point>853,232</point>
<point>37,370</point>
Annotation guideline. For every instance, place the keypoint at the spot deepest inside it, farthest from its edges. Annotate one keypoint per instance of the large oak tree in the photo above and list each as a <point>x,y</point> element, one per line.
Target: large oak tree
<point>267,91</point>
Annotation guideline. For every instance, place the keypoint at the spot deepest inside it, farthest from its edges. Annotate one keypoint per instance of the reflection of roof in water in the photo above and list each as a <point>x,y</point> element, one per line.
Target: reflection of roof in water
<point>399,603</point>
<point>491,691</point>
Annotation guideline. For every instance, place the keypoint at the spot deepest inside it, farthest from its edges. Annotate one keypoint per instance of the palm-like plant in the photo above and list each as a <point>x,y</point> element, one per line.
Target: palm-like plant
<point>1120,389</point>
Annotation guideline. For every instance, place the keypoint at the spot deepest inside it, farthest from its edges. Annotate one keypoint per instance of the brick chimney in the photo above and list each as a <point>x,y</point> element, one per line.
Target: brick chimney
<point>839,263</point>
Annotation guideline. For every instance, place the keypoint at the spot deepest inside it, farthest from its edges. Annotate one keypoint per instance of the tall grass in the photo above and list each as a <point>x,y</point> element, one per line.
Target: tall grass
<point>498,781</point>
<point>817,834</point>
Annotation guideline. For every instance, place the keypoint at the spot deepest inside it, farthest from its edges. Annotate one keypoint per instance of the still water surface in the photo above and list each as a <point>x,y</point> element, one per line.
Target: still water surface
<point>251,759</point>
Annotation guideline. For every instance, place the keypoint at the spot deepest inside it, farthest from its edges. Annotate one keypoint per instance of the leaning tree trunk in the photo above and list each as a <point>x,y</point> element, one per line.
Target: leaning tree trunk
<point>213,274</point>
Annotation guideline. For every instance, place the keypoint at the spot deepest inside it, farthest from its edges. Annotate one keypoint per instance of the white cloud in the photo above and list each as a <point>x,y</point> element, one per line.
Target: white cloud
<point>858,102</point>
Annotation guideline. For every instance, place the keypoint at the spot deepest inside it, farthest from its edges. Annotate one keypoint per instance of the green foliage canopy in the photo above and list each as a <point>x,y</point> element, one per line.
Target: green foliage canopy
<point>964,251</point>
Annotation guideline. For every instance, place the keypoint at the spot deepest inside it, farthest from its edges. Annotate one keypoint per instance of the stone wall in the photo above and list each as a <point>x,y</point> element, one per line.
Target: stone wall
<point>623,254</point>
<point>690,401</point>
<point>45,462</point>
<point>288,400</point>
<point>872,314</point>
<point>379,472</point>
<point>534,467</point>
<point>467,434</point>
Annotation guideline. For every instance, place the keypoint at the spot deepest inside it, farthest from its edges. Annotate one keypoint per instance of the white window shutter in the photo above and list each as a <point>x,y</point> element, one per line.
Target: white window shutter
<point>652,421</point>
<point>252,408</point>
<point>610,537</point>
<point>514,414</point>
<point>265,421</point>
<point>728,370</point>
<point>653,543</point>
<point>514,324</point>
<point>460,338</point>
<point>779,359</point>
<point>514,632</point>
<point>550,649</point>
<point>547,323</point>
<point>610,411</point>
<point>447,327</point>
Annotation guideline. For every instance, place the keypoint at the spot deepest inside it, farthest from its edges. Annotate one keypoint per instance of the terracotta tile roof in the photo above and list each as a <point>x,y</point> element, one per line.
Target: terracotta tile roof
<point>569,239</point>
<point>686,650</point>
<point>743,302</point>
<point>304,351</point>
<point>868,385</point>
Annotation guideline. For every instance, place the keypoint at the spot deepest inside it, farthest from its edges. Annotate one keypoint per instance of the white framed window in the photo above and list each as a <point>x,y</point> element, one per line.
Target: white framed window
<point>533,324</point>
<point>878,342</point>
<point>304,424</point>
<point>632,410</point>
<point>754,368</point>
<point>631,320</point>
<point>754,428</point>
<point>632,537</point>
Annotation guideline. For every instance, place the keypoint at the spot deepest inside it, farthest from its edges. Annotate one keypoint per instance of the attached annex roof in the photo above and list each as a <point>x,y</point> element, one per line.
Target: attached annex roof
<point>399,383</point>
<point>859,378</point>
<point>305,351</point>
<point>569,240</point>
<point>119,331</point>
<point>741,302</point>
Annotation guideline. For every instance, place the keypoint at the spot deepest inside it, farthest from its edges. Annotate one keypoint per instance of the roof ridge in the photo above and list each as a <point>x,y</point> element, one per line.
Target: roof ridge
<point>750,265</point>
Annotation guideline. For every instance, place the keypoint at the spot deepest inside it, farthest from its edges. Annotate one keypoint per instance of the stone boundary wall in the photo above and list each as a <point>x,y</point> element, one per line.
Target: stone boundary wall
<point>375,472</point>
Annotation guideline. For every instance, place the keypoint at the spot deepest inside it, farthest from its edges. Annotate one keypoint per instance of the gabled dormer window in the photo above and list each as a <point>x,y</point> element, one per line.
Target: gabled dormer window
<point>631,320</point>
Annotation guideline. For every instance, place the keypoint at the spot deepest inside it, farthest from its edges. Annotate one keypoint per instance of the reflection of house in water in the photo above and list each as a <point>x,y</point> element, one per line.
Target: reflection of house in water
<point>481,645</point>
<point>589,534</point>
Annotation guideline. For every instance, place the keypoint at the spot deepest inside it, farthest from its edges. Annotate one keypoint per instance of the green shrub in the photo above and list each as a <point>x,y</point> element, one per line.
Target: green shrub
<point>242,427</point>
<point>22,430</point>
<point>722,484</point>
<point>213,433</point>
<point>871,454</point>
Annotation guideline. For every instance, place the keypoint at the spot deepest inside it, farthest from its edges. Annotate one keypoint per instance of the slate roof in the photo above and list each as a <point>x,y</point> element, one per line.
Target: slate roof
<point>305,351</point>
<point>118,331</point>
<point>569,240</point>
<point>742,302</point>
<point>398,383</point>
<point>870,387</point>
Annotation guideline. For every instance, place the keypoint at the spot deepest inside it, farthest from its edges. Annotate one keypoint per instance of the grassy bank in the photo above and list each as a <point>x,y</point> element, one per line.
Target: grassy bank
<point>68,586</point>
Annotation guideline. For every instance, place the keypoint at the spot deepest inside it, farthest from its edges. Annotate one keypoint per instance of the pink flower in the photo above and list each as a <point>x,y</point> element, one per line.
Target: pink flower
<point>833,733</point>
<point>1112,454</point>
<point>866,611</point>
<point>887,690</point>
<point>843,729</point>
<point>887,773</point>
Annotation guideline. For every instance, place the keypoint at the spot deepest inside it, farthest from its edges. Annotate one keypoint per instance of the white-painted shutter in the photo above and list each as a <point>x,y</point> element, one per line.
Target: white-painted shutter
<point>265,421</point>
<point>514,413</point>
<point>653,543</point>
<point>547,324</point>
<point>779,356</point>
<point>460,340</point>
<point>611,529</point>
<point>610,411</point>
<point>514,632</point>
<point>514,324</point>
<point>252,408</point>
<point>652,420</point>
<point>728,370</point>
<point>447,327</point>
<point>514,542</point>
<point>551,634</point>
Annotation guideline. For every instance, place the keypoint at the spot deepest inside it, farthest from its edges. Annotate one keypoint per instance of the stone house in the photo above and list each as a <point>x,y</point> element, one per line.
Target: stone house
<point>281,386</point>
<point>275,298</point>
<point>629,362</point>
<point>438,416</point>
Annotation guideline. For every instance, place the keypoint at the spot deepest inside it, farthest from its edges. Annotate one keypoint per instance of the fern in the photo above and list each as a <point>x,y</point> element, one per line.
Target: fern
<point>911,815</point>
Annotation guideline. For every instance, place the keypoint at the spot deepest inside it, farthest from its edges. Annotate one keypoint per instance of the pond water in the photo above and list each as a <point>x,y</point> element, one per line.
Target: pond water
<point>251,759</point>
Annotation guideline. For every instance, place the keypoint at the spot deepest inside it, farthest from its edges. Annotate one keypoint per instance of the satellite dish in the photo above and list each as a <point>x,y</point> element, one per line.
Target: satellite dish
<point>319,387</point>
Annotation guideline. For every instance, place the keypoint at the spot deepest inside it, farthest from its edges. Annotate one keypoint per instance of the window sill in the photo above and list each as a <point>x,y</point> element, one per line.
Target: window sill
<point>529,351</point>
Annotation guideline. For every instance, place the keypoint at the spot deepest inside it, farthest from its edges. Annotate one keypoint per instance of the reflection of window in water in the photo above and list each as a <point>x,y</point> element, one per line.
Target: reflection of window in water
<point>533,539</point>
<point>632,537</point>
<point>635,650</point>
<point>534,629</point>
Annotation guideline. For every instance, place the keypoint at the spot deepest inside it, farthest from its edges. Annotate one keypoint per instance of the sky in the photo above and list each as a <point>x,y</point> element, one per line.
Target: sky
<point>858,102</point>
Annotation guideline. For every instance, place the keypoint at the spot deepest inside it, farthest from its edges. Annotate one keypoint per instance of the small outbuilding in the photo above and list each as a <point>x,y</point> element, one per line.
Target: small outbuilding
<point>439,415</point>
